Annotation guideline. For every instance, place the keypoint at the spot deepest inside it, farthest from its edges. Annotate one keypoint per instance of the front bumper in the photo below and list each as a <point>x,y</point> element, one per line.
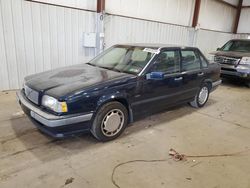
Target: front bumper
<point>240,71</point>
<point>55,126</point>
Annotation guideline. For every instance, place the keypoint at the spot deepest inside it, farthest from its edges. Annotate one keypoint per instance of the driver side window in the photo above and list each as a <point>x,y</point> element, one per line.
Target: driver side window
<point>167,62</point>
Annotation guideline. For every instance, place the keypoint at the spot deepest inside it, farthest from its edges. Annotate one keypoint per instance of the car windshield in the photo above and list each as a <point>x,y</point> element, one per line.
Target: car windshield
<point>238,46</point>
<point>128,59</point>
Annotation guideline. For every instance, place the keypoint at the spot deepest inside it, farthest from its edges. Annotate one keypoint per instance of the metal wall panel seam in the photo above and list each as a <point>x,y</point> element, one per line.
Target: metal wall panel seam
<point>4,45</point>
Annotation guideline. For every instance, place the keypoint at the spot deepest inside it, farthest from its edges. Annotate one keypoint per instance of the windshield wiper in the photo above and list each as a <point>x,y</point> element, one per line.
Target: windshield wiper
<point>109,68</point>
<point>91,64</point>
<point>117,70</point>
<point>114,69</point>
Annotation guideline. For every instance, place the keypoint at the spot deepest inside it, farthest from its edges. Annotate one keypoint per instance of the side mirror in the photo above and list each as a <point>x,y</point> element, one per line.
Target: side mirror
<point>155,76</point>
<point>218,49</point>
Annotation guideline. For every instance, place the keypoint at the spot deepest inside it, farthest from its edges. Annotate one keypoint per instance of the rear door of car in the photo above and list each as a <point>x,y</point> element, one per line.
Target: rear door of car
<point>192,71</point>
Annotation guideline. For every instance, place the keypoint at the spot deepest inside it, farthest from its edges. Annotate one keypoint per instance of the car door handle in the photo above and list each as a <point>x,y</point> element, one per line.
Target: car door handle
<point>178,79</point>
<point>200,74</point>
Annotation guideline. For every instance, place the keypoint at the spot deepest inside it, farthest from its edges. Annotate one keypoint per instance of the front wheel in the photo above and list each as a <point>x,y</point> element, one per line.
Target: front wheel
<point>110,121</point>
<point>201,97</point>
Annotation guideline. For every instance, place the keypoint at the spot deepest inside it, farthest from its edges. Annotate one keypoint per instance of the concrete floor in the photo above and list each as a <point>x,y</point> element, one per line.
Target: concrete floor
<point>31,159</point>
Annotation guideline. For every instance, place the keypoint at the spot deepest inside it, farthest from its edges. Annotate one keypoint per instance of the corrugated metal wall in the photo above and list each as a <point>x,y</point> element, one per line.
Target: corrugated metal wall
<point>244,24</point>
<point>216,16</point>
<point>126,30</point>
<point>82,4</point>
<point>170,11</point>
<point>232,2</point>
<point>120,27</point>
<point>209,41</point>
<point>36,37</point>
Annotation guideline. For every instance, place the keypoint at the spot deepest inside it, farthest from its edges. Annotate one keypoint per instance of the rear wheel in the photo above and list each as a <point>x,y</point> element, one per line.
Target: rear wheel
<point>201,97</point>
<point>110,121</point>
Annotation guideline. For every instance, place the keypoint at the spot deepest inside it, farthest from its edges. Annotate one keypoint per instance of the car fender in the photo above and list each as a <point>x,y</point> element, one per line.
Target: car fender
<point>116,96</point>
<point>208,80</point>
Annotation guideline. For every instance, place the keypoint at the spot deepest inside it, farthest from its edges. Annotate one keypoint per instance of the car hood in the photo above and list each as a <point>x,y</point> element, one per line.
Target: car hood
<point>62,81</point>
<point>232,54</point>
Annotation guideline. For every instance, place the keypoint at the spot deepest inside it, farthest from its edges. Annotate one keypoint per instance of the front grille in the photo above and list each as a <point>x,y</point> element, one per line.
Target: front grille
<point>228,69</point>
<point>226,60</point>
<point>31,94</point>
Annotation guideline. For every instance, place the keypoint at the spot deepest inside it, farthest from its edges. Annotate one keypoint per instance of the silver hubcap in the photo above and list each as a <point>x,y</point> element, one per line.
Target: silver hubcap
<point>113,122</point>
<point>203,95</point>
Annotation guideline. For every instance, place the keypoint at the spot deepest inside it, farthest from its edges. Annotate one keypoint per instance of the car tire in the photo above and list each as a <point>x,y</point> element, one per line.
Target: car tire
<point>248,84</point>
<point>110,121</point>
<point>201,97</point>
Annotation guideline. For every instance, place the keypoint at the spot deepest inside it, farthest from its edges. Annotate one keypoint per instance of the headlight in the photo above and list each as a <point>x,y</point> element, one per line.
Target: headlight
<point>245,61</point>
<point>211,57</point>
<point>54,104</point>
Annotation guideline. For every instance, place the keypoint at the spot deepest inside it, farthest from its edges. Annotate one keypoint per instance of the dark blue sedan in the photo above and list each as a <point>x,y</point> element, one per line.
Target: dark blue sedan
<point>115,88</point>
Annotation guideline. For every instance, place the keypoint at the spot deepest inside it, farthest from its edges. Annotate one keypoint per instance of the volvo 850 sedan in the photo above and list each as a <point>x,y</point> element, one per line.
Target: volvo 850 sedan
<point>118,86</point>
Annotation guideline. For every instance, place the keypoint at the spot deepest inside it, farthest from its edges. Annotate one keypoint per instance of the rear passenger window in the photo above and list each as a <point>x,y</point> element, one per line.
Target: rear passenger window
<point>167,62</point>
<point>203,62</point>
<point>190,60</point>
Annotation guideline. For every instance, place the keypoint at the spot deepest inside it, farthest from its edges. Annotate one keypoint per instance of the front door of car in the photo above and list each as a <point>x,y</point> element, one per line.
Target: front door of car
<point>158,93</point>
<point>192,71</point>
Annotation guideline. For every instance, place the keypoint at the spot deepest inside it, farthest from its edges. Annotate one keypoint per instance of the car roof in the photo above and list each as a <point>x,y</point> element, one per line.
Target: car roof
<point>156,45</point>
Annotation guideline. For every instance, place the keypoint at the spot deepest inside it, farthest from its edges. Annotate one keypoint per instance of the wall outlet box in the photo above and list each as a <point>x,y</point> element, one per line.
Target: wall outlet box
<point>89,40</point>
<point>101,35</point>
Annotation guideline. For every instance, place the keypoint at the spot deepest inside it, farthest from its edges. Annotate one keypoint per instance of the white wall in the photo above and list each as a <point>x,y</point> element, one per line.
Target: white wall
<point>170,11</point>
<point>126,30</point>
<point>209,41</point>
<point>36,37</point>
<point>232,2</point>
<point>244,23</point>
<point>213,16</point>
<point>82,4</point>
<point>216,16</point>
<point>246,3</point>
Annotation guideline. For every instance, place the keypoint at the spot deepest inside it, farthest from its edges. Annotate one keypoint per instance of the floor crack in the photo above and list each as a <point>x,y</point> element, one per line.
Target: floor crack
<point>230,122</point>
